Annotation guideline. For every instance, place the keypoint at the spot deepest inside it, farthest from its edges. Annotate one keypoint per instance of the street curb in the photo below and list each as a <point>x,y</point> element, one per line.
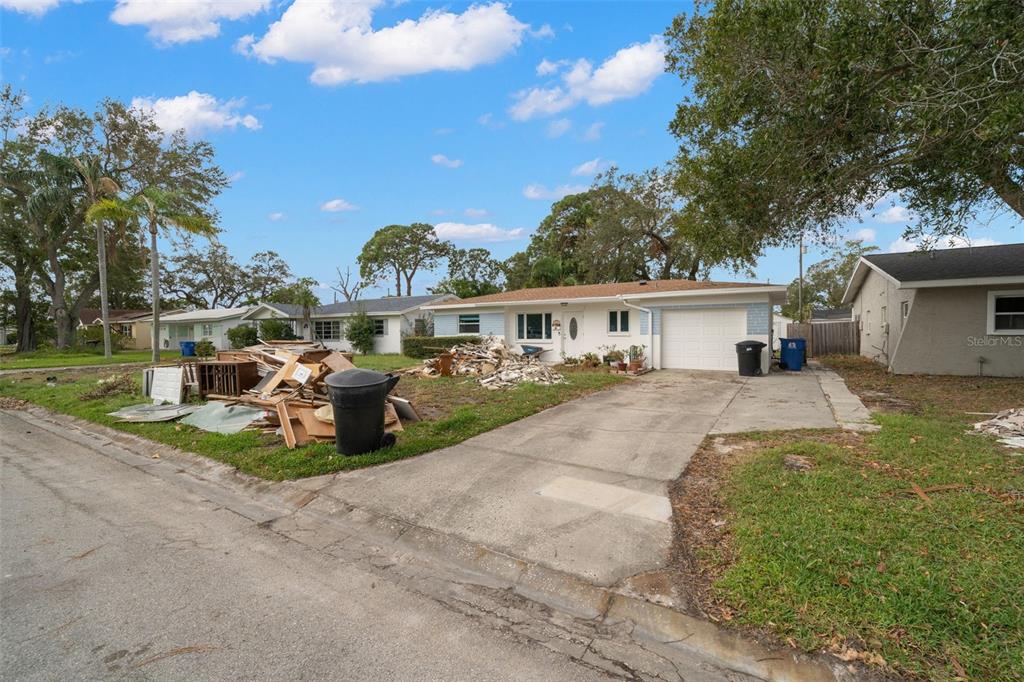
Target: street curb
<point>664,631</point>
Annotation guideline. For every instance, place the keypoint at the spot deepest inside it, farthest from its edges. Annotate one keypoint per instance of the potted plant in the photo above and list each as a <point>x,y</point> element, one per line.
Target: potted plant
<point>636,358</point>
<point>616,358</point>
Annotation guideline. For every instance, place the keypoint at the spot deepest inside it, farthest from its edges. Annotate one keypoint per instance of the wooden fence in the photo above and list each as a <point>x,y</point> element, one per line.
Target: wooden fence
<point>827,338</point>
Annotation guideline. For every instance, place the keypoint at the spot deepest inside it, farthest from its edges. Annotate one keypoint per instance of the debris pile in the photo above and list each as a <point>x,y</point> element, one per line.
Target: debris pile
<point>113,385</point>
<point>493,361</point>
<point>1007,425</point>
<point>275,387</point>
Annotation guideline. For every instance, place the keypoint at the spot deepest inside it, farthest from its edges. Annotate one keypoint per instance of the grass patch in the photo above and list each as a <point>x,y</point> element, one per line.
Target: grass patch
<point>846,555</point>
<point>385,362</point>
<point>454,409</point>
<point>77,358</point>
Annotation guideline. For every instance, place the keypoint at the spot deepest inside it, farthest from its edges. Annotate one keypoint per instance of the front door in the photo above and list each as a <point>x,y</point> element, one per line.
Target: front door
<point>572,333</point>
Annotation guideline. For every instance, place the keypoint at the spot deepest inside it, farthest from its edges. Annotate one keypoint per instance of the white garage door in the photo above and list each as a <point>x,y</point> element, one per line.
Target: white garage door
<point>702,339</point>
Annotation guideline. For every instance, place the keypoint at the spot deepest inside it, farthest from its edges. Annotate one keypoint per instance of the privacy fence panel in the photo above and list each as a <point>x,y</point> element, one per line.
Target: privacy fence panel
<point>827,338</point>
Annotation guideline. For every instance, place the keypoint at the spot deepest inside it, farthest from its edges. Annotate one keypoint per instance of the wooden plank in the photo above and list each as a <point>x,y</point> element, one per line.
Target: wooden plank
<point>286,425</point>
<point>314,427</point>
<point>337,362</point>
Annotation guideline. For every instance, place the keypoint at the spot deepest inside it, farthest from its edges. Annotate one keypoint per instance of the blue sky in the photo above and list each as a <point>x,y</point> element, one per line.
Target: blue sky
<point>335,119</point>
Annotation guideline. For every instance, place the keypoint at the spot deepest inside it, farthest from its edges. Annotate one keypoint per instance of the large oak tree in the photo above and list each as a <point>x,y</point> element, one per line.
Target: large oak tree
<point>801,112</point>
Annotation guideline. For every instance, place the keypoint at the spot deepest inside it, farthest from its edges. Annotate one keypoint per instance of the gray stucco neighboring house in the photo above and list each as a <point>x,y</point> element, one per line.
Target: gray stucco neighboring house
<point>944,311</point>
<point>394,317</point>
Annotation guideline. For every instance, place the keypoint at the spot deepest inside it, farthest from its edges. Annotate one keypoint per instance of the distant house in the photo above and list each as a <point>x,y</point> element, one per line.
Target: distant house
<point>948,311</point>
<point>128,325</point>
<point>198,325</point>
<point>393,317</point>
<point>844,314</point>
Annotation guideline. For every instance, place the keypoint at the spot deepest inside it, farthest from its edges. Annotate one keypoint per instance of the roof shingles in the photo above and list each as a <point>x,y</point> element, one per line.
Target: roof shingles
<point>1004,260</point>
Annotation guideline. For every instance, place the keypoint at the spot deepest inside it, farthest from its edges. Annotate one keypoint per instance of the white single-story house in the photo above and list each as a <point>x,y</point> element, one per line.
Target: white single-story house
<point>681,323</point>
<point>393,316</point>
<point>198,325</point>
<point>945,311</point>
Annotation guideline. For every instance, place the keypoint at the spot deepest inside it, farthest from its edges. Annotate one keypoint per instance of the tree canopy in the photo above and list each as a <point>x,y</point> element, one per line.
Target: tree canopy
<point>628,226</point>
<point>825,282</point>
<point>803,113</point>
<point>401,251</point>
<point>471,272</point>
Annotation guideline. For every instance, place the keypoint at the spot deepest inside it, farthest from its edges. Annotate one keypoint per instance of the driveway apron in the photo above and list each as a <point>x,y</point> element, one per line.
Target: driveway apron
<point>582,487</point>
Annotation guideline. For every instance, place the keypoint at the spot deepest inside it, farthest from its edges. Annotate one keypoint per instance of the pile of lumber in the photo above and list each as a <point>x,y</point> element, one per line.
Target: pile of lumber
<point>292,391</point>
<point>493,361</point>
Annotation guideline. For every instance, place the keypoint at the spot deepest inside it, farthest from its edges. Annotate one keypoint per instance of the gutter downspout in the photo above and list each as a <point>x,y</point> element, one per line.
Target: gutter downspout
<point>650,327</point>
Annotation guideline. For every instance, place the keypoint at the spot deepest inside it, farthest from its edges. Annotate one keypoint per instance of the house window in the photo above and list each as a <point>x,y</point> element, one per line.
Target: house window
<point>1006,312</point>
<point>618,321</point>
<point>327,330</point>
<point>533,326</point>
<point>380,327</point>
<point>904,312</point>
<point>207,330</point>
<point>469,324</point>
<point>125,330</point>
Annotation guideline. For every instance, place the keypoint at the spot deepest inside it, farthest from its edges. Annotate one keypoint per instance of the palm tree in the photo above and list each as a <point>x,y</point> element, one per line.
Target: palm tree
<point>160,210</point>
<point>97,186</point>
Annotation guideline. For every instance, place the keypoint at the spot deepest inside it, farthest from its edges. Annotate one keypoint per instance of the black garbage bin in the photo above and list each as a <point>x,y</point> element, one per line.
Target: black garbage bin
<point>357,396</point>
<point>748,353</point>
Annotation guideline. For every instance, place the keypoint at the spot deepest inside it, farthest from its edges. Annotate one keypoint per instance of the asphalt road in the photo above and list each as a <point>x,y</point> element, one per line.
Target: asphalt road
<point>109,573</point>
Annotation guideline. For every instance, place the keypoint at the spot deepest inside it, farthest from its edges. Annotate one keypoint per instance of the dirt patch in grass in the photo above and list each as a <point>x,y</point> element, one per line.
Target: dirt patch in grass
<point>947,395</point>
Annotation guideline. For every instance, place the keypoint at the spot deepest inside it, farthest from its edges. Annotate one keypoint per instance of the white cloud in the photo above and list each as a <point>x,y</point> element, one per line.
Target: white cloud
<point>338,38</point>
<point>487,121</point>
<point>183,21</point>
<point>60,56</point>
<point>236,176</point>
<point>337,206</point>
<point>276,216</point>
<point>34,7</point>
<point>559,127</point>
<point>592,167</point>
<point>548,67</point>
<point>443,131</point>
<point>442,160</point>
<point>865,234</point>
<point>627,73</point>
<point>537,191</point>
<point>544,31</point>
<point>594,131</point>
<point>480,232</point>
<point>895,214</point>
<point>196,113</point>
<point>903,245</point>
<point>475,212</point>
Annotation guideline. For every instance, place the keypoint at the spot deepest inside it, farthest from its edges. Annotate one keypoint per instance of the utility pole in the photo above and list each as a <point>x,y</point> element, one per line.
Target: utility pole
<point>800,282</point>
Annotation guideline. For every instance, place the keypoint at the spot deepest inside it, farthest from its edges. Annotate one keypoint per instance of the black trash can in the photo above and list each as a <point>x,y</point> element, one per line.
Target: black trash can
<point>748,353</point>
<point>357,396</point>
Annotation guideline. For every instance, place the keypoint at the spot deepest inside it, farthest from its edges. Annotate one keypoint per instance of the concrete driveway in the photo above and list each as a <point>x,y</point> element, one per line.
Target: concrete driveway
<point>582,487</point>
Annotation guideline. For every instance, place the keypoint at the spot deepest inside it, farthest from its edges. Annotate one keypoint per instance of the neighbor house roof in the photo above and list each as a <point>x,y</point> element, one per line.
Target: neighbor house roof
<point>211,315</point>
<point>391,305</point>
<point>606,291</point>
<point>832,313</point>
<point>93,315</point>
<point>968,266</point>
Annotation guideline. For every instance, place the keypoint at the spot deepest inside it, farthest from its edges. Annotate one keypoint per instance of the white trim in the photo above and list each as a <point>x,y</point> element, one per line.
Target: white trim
<point>990,317</point>
<point>857,279</point>
<point>544,325</point>
<point>618,297</point>
<point>964,282</point>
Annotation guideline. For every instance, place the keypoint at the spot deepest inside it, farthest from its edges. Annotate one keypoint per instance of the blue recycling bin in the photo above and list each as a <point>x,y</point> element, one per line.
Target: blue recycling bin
<point>188,349</point>
<point>791,355</point>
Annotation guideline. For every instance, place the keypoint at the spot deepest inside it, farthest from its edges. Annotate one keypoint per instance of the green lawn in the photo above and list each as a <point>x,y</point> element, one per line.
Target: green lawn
<point>385,362</point>
<point>78,358</point>
<point>454,409</point>
<point>847,555</point>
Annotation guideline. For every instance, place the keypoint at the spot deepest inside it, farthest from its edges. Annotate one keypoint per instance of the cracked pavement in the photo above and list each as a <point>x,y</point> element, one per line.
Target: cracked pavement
<point>111,572</point>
